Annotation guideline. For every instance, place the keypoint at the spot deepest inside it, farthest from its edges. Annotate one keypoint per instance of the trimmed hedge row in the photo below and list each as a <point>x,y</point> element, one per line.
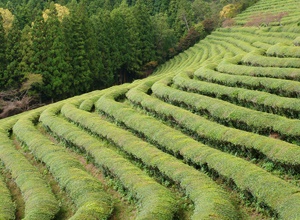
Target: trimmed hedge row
<point>228,46</point>
<point>261,45</point>
<point>220,52</point>
<point>280,87</point>
<point>276,150</point>
<point>292,19</point>
<point>228,113</point>
<point>282,50</point>
<point>156,202</point>
<point>242,36</point>
<point>202,54</point>
<point>86,192</point>
<point>87,103</point>
<point>272,7</point>
<point>279,33</point>
<point>174,63</point>
<point>40,202</point>
<point>234,40</point>
<point>193,57</point>
<point>187,58</point>
<point>255,35</point>
<point>262,101</point>
<point>7,207</point>
<point>281,196</point>
<point>231,66</point>
<point>256,58</point>
<point>215,50</point>
<point>296,42</point>
<point>168,66</point>
<point>285,31</point>
<point>270,4</point>
<point>210,201</point>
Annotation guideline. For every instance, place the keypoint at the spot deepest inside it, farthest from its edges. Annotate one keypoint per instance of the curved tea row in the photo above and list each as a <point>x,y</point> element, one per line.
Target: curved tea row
<point>203,129</point>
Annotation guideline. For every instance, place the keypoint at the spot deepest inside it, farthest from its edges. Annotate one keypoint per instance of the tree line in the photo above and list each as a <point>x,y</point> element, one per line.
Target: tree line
<point>57,49</point>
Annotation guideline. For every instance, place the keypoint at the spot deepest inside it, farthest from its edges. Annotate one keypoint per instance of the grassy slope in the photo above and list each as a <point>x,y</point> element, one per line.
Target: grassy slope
<point>227,107</point>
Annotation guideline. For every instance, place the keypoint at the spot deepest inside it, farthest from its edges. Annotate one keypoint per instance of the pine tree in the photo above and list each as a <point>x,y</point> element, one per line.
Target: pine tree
<point>201,10</point>
<point>145,33</point>
<point>40,46</point>
<point>2,54</point>
<point>27,11</point>
<point>161,6</point>
<point>180,16</point>
<point>164,36</point>
<point>76,39</point>
<point>13,76</point>
<point>25,51</point>
<point>90,45</point>
<point>125,41</point>
<point>55,76</point>
<point>104,49</point>
<point>49,57</point>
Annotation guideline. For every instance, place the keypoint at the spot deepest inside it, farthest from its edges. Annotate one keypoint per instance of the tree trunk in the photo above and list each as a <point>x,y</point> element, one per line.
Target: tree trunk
<point>186,23</point>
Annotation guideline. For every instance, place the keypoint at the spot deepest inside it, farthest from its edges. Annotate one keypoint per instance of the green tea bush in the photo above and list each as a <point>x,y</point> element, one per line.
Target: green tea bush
<point>256,58</point>
<point>208,198</point>
<point>280,87</point>
<point>261,45</point>
<point>271,7</point>
<point>276,150</point>
<point>229,46</point>
<point>7,207</point>
<point>231,66</point>
<point>87,193</point>
<point>154,200</point>
<point>270,190</point>
<point>244,45</point>
<point>40,202</point>
<point>264,35</point>
<point>296,42</point>
<point>227,113</point>
<point>291,31</point>
<point>281,50</point>
<point>262,101</point>
<point>292,19</point>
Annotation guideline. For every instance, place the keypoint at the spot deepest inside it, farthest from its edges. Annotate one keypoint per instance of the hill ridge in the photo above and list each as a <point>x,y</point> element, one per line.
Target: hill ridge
<point>215,130</point>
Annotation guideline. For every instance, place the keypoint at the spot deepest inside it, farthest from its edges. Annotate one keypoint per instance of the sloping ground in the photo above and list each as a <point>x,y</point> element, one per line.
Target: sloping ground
<point>213,131</point>
<point>290,7</point>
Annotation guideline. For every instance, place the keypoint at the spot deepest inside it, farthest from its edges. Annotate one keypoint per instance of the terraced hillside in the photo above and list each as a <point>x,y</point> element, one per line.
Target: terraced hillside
<point>289,7</point>
<point>213,134</point>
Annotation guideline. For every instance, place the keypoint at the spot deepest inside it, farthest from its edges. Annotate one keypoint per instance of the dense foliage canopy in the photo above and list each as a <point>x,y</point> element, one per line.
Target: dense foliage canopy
<point>79,46</point>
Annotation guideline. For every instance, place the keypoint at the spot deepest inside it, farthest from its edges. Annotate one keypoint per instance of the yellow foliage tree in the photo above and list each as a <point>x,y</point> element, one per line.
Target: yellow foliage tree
<point>8,18</point>
<point>230,10</point>
<point>62,11</point>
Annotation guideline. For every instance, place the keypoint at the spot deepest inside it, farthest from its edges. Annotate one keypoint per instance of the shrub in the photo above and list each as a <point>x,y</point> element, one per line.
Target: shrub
<point>245,175</point>
<point>189,40</point>
<point>154,200</point>
<point>40,202</point>
<point>86,192</point>
<point>7,208</point>
<point>296,42</point>
<point>230,10</point>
